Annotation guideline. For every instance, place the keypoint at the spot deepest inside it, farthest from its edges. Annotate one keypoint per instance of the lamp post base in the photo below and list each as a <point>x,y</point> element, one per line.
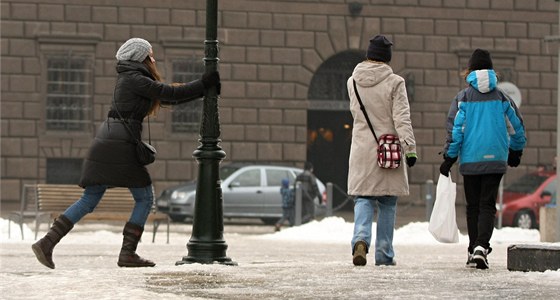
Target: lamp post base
<point>206,253</point>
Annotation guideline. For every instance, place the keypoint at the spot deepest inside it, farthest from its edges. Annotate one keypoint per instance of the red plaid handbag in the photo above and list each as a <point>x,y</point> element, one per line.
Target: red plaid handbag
<point>389,151</point>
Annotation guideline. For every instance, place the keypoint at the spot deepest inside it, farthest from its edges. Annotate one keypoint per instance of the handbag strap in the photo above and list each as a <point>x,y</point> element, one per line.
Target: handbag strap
<point>138,140</point>
<point>149,133</point>
<point>363,109</point>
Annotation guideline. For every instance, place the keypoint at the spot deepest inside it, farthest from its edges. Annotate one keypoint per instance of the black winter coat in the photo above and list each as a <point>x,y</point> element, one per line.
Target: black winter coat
<point>111,159</point>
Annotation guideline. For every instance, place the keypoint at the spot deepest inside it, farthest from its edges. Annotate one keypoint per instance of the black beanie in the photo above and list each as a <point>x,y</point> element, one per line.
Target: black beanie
<point>379,49</point>
<point>480,60</point>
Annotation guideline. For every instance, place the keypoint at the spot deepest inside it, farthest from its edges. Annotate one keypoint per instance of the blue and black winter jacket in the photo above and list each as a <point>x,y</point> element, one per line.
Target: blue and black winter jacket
<point>482,124</point>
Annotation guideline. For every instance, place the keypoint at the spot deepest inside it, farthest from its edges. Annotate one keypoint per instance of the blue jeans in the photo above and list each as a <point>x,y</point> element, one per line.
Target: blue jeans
<point>143,198</point>
<point>364,208</point>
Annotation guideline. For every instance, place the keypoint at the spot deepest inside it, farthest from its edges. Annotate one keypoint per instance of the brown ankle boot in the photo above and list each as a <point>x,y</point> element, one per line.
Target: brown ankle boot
<point>128,257</point>
<point>44,247</point>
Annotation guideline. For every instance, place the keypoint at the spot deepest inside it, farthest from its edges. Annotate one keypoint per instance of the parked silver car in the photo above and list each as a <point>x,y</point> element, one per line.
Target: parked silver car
<point>249,191</point>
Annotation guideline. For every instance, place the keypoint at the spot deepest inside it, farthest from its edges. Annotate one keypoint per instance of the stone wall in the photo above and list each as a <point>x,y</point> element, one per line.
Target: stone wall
<point>269,51</point>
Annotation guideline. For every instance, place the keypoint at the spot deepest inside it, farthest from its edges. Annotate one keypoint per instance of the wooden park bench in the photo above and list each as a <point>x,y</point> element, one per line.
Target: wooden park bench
<point>52,200</point>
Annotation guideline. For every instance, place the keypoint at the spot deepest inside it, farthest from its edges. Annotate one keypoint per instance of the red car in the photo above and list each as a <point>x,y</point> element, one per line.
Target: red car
<point>524,197</point>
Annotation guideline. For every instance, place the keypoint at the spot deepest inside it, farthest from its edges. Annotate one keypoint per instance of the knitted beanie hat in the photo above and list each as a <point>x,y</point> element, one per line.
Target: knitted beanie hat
<point>135,49</point>
<point>480,60</point>
<point>379,49</point>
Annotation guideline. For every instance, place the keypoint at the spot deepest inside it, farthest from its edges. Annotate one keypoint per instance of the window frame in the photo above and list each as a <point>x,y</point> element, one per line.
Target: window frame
<point>87,104</point>
<point>173,56</point>
<point>55,164</point>
<point>82,45</point>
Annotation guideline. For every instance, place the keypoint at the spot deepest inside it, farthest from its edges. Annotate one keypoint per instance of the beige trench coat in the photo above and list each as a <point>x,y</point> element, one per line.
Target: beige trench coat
<point>384,96</point>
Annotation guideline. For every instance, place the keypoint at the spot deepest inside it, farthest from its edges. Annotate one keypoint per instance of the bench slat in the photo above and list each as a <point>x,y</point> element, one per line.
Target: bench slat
<point>57,197</point>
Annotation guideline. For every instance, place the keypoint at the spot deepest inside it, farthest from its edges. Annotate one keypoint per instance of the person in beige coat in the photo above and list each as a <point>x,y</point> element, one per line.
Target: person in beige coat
<point>383,95</point>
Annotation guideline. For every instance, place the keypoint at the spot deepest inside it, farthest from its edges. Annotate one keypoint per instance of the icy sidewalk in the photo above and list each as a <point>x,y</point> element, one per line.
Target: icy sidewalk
<point>309,262</point>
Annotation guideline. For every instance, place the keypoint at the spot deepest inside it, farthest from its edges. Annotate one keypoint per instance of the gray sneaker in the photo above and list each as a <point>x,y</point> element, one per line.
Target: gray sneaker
<point>359,255</point>
<point>391,263</point>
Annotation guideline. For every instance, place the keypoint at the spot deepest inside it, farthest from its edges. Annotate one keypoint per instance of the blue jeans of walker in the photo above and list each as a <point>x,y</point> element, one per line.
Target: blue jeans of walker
<point>364,208</point>
<point>143,198</point>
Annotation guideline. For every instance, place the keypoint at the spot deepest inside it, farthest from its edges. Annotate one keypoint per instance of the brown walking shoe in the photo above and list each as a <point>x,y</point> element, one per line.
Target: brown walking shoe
<point>359,255</point>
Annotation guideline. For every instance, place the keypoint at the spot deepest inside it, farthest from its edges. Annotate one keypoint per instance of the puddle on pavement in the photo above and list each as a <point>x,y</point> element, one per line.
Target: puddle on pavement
<point>197,283</point>
<point>28,274</point>
<point>190,280</point>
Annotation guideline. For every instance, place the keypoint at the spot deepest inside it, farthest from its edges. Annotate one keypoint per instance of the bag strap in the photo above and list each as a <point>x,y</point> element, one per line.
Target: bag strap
<point>149,133</point>
<point>363,109</point>
<point>138,140</point>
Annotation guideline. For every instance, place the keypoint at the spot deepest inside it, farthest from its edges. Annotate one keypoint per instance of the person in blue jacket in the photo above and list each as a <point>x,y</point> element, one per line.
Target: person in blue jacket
<point>287,204</point>
<point>485,132</point>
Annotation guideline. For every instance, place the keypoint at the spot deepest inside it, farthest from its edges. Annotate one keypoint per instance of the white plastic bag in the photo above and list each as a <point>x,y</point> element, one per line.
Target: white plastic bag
<point>443,223</point>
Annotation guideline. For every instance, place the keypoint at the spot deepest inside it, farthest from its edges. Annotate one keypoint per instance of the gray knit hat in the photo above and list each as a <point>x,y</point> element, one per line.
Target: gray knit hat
<point>135,49</point>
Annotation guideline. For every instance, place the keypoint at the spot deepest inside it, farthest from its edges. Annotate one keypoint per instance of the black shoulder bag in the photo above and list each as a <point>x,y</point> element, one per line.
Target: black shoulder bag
<point>389,152</point>
<point>145,152</point>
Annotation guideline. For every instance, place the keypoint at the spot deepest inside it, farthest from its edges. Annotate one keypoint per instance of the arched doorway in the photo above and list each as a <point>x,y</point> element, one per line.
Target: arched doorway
<point>329,122</point>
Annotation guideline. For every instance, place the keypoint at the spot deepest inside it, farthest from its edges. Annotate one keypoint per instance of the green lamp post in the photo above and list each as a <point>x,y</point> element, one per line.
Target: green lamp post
<point>207,244</point>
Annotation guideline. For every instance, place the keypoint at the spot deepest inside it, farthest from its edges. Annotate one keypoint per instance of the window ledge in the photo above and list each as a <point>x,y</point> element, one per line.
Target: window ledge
<point>81,39</point>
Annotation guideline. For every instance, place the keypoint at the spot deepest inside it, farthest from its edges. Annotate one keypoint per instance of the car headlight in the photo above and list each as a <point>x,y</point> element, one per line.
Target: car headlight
<point>178,195</point>
<point>162,202</point>
<point>182,198</point>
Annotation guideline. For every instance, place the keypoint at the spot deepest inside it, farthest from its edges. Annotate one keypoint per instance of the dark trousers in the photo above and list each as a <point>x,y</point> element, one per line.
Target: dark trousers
<point>287,215</point>
<point>307,210</point>
<point>481,192</point>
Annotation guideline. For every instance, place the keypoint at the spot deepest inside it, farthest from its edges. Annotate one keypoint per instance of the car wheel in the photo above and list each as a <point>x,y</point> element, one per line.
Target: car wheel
<point>524,219</point>
<point>269,221</point>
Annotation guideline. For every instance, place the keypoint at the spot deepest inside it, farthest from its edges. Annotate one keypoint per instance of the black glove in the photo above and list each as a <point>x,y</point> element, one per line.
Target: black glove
<point>411,159</point>
<point>446,165</point>
<point>514,157</point>
<point>210,79</point>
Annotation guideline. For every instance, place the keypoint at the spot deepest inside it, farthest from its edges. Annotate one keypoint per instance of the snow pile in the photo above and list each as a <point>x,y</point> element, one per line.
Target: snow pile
<point>336,230</point>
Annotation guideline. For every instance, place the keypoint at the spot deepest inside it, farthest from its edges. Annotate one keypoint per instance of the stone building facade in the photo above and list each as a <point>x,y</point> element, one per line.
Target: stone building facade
<point>283,65</point>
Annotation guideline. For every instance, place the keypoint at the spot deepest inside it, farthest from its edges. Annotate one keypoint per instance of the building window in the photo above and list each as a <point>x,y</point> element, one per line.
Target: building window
<point>186,117</point>
<point>329,82</point>
<point>68,92</point>
<point>64,170</point>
